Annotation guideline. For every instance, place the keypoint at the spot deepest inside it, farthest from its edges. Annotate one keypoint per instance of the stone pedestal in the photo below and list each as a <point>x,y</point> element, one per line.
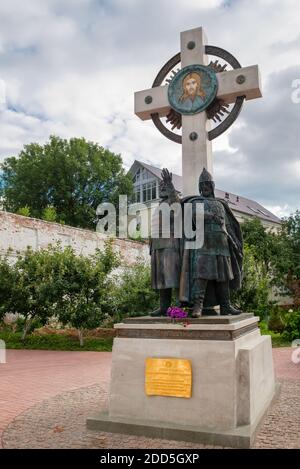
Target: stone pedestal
<point>232,380</point>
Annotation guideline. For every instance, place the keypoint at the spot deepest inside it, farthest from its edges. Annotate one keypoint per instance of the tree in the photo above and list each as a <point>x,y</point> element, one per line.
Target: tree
<point>291,230</point>
<point>279,252</point>
<point>73,177</point>
<point>254,292</point>
<point>260,240</point>
<point>34,285</point>
<point>56,282</point>
<point>6,285</point>
<point>84,288</point>
<point>290,236</point>
<point>133,294</point>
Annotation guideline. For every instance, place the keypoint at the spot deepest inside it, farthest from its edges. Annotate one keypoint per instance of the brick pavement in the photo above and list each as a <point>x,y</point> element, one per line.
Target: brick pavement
<point>30,377</point>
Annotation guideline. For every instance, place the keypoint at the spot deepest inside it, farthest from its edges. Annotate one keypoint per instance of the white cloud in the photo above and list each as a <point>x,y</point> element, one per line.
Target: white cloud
<point>279,211</point>
<point>71,68</point>
<point>2,95</point>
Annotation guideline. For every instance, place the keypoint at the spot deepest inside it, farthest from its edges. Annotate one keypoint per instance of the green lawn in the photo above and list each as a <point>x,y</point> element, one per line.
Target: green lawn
<point>54,342</point>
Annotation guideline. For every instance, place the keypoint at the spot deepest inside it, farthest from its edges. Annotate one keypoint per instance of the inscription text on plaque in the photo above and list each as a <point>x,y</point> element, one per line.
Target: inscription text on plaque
<point>168,377</point>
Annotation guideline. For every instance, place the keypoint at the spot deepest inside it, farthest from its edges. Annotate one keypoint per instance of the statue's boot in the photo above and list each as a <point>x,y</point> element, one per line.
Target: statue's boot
<point>229,309</point>
<point>224,297</point>
<point>165,297</point>
<point>198,307</point>
<point>200,286</point>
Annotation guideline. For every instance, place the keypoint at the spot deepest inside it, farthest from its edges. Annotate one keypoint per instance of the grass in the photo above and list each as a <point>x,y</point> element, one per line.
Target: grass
<point>54,342</point>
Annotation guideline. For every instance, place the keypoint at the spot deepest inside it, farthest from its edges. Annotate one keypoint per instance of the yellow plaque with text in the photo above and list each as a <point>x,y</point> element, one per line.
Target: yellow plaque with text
<point>168,377</point>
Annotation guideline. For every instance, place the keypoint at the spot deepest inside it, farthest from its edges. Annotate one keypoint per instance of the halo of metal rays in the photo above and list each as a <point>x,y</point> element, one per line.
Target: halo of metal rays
<point>215,111</point>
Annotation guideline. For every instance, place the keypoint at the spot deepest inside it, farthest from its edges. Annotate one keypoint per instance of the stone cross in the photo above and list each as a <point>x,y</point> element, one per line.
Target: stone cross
<point>197,152</point>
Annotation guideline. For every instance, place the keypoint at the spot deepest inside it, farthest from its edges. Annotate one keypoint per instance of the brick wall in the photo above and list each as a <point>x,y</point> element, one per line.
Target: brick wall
<point>18,232</point>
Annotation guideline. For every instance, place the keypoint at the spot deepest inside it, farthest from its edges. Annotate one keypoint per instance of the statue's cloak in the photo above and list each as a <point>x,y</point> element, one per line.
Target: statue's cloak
<point>235,242</point>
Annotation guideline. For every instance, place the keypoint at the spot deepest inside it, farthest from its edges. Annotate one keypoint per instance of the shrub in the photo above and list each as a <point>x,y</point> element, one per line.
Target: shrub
<point>254,293</point>
<point>49,214</point>
<point>84,287</point>
<point>56,282</point>
<point>133,294</point>
<point>24,211</point>
<point>276,319</point>
<point>292,326</point>
<point>6,285</point>
<point>33,290</point>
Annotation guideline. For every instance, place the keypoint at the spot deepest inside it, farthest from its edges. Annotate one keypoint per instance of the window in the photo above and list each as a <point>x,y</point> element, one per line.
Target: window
<point>137,196</point>
<point>137,176</point>
<point>145,186</point>
<point>144,192</point>
<point>149,191</point>
<point>153,190</point>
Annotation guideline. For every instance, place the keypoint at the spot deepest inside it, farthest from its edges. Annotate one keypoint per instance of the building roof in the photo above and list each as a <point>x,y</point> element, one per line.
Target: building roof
<point>236,202</point>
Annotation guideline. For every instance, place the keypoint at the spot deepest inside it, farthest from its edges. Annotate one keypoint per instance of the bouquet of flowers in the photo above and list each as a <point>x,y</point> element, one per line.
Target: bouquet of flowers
<point>174,312</point>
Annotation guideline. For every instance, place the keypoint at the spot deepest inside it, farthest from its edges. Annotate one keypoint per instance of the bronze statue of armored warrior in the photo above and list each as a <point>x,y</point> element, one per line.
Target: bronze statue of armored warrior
<point>211,271</point>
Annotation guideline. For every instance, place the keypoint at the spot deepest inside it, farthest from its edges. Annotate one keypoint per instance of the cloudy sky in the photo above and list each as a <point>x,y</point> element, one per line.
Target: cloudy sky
<point>70,68</point>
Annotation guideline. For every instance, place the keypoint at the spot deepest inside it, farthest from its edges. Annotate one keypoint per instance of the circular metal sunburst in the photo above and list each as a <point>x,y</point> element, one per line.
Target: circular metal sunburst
<point>215,111</point>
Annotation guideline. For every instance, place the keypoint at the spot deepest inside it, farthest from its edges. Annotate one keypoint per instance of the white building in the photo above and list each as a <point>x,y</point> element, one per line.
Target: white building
<point>146,179</point>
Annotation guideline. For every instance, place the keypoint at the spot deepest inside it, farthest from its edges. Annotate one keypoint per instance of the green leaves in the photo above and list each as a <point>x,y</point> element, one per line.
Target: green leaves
<point>278,252</point>
<point>132,294</point>
<point>292,325</point>
<point>70,177</point>
<point>254,293</point>
<point>57,282</point>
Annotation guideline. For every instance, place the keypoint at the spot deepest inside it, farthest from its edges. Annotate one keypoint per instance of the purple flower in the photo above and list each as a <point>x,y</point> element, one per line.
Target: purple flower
<point>176,313</point>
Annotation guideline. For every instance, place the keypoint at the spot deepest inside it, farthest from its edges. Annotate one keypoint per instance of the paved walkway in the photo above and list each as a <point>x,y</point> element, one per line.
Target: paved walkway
<point>30,377</point>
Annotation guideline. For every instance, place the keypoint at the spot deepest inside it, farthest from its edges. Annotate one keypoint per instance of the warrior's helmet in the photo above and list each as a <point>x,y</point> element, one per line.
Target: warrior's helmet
<point>205,176</point>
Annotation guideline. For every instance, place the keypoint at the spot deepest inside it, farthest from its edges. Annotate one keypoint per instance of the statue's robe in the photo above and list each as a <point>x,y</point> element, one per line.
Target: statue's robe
<point>165,251</point>
<point>220,257</point>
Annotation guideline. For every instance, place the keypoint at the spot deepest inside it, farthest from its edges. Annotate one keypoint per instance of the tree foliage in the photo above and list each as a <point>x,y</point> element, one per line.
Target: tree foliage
<point>73,177</point>
<point>254,293</point>
<point>49,214</point>
<point>133,294</point>
<point>56,282</point>
<point>6,284</point>
<point>279,252</point>
<point>24,211</point>
<point>33,285</point>
<point>84,287</point>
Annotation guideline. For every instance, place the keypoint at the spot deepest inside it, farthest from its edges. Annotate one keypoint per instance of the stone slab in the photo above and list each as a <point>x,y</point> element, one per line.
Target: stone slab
<point>209,329</point>
<point>208,326</point>
<point>203,320</point>
<point>185,333</point>
<point>240,437</point>
<point>222,389</point>
<point>232,380</point>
